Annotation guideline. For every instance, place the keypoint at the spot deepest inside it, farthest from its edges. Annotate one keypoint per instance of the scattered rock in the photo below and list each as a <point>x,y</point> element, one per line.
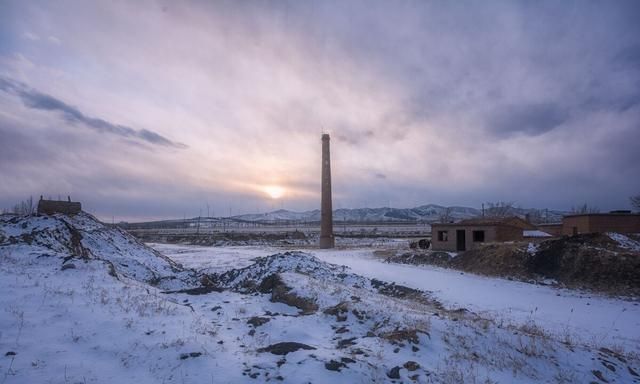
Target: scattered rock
<point>285,347</point>
<point>68,266</point>
<point>394,373</point>
<point>399,335</point>
<point>197,291</point>
<point>257,321</point>
<point>184,356</point>
<point>347,360</point>
<point>599,376</point>
<point>411,365</point>
<point>346,343</point>
<point>334,365</point>
<point>358,314</point>
<point>340,308</point>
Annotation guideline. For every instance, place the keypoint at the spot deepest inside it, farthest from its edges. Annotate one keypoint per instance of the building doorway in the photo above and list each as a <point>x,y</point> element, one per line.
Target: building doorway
<point>461,240</point>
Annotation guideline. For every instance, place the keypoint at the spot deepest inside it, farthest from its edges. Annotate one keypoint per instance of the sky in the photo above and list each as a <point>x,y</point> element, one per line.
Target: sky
<point>162,109</point>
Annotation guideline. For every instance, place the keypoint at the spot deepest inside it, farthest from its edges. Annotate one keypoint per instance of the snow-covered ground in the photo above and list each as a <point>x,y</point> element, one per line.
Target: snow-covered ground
<point>587,317</point>
<point>83,303</point>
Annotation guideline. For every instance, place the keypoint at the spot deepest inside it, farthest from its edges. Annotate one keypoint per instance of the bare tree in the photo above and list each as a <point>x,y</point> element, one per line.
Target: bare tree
<point>500,209</point>
<point>635,202</point>
<point>25,207</point>
<point>584,208</point>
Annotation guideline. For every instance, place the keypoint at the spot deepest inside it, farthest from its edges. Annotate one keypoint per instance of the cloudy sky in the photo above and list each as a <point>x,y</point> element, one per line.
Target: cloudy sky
<point>153,109</point>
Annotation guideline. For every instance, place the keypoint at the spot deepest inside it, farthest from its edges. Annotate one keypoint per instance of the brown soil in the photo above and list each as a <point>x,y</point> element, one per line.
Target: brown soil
<point>588,261</point>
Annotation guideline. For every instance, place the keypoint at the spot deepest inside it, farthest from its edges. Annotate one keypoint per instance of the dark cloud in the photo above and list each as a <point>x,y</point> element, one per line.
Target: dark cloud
<point>380,175</point>
<point>36,100</point>
<point>528,119</point>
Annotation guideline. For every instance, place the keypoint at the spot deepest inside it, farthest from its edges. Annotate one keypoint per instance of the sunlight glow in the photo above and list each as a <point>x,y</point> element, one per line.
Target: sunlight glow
<point>274,191</point>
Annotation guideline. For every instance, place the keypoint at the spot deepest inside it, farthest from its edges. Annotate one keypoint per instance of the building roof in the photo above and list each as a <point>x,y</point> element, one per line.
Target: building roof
<point>512,221</point>
<point>615,214</point>
<point>535,233</point>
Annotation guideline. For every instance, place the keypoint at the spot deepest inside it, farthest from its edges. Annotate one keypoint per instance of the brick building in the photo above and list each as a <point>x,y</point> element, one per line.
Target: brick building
<point>621,222</point>
<point>49,207</point>
<point>469,234</point>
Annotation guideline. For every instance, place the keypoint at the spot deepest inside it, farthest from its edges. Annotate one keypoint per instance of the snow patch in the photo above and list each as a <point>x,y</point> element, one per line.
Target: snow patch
<point>625,241</point>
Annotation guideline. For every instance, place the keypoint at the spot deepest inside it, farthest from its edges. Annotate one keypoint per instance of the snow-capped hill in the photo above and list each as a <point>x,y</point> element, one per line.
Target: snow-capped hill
<point>83,238</point>
<point>281,215</point>
<point>424,213</point>
<point>427,213</point>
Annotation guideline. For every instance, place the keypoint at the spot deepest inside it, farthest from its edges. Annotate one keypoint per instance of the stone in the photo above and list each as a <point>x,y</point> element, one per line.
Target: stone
<point>285,347</point>
<point>394,373</point>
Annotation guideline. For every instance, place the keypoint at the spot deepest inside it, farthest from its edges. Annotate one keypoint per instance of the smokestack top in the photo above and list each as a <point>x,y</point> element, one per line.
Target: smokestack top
<point>325,136</point>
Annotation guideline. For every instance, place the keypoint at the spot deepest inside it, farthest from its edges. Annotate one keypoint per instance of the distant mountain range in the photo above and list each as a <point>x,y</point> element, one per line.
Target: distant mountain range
<point>424,213</point>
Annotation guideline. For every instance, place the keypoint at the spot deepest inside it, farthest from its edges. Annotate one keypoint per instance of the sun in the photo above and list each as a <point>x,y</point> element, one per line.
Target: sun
<point>274,191</point>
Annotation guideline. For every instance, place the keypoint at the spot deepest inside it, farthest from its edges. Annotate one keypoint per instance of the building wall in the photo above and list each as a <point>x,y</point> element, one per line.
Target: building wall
<point>623,223</point>
<point>552,229</point>
<point>491,233</point>
<point>507,233</point>
<point>49,207</point>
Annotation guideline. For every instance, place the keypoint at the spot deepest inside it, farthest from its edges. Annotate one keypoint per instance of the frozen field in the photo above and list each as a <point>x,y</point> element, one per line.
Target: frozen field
<point>587,317</point>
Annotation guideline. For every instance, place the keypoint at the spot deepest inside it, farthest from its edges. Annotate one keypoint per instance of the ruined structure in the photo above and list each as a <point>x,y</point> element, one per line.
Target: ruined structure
<point>326,210</point>
<point>471,233</point>
<point>49,207</point>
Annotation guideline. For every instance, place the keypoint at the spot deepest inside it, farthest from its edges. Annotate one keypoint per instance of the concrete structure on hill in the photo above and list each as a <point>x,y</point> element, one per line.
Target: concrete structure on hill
<point>49,207</point>
<point>469,234</point>
<point>326,209</point>
<point>621,222</point>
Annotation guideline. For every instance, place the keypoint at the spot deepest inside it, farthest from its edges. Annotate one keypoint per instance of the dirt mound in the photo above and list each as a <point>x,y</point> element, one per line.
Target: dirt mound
<point>248,279</point>
<point>83,237</point>
<point>594,260</point>
<point>500,259</point>
<point>264,276</point>
<point>606,262</point>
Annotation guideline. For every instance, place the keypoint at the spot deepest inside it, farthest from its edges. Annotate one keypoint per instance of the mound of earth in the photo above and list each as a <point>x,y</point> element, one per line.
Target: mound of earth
<point>83,238</point>
<point>607,262</point>
<point>272,274</point>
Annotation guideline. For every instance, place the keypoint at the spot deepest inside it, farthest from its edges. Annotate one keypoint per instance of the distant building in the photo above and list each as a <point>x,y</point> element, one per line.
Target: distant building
<point>554,229</point>
<point>49,207</point>
<point>469,234</point>
<point>616,221</point>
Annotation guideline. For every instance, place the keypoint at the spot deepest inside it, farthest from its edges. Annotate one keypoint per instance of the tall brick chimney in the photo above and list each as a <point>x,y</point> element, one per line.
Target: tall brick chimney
<point>326,210</point>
